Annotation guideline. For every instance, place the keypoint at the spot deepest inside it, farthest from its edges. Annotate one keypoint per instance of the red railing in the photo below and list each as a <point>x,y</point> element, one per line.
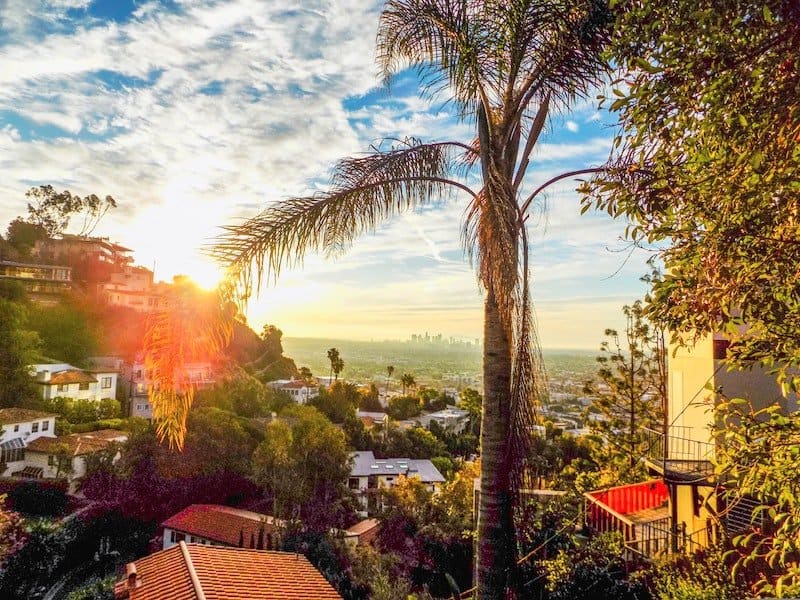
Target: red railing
<point>627,499</point>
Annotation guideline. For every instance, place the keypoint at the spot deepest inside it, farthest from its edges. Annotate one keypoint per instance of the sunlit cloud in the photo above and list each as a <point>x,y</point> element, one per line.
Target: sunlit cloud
<point>195,114</point>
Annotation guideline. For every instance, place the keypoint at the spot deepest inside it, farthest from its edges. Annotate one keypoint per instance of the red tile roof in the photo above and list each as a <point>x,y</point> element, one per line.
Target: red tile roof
<point>195,572</point>
<point>222,524</point>
<point>66,377</point>
<point>78,444</point>
<point>9,416</point>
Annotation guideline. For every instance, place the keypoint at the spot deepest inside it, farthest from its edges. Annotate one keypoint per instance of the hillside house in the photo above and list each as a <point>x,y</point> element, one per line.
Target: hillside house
<point>45,456</point>
<point>197,571</point>
<point>43,283</point>
<point>136,380</point>
<point>683,513</point>
<point>369,474</point>
<point>450,419</point>
<point>21,426</point>
<point>63,380</point>
<point>218,525</point>
<point>299,391</point>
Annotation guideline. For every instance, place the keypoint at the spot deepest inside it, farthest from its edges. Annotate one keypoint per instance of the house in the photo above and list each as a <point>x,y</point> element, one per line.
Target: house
<point>368,474</point>
<point>45,456</point>
<point>684,513</point>
<point>218,525</point>
<point>372,418</point>
<point>136,380</point>
<point>363,533</point>
<point>450,419</point>
<point>20,427</point>
<point>43,283</point>
<point>196,572</point>
<point>64,380</point>
<point>299,391</point>
<point>132,286</point>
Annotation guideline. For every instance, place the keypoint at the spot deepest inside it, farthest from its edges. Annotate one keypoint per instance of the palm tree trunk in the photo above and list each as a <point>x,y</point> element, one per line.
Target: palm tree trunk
<point>495,548</point>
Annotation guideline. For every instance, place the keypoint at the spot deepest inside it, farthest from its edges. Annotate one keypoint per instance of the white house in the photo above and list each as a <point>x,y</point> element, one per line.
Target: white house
<point>20,427</point>
<point>42,454</point>
<point>368,474</point>
<point>65,381</point>
<point>453,420</point>
<point>299,391</point>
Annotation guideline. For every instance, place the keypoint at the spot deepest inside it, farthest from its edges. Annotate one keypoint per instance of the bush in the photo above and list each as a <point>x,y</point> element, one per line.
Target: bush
<point>39,499</point>
<point>97,589</point>
<point>703,576</point>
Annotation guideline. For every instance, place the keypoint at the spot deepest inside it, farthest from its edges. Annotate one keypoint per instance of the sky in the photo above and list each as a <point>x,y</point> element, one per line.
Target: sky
<point>194,114</point>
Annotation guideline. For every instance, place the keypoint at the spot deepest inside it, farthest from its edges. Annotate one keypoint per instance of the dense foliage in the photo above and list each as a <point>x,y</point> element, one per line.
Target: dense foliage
<point>707,165</point>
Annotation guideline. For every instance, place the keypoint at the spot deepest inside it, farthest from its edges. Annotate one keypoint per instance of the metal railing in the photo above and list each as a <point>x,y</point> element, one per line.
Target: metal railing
<point>679,450</point>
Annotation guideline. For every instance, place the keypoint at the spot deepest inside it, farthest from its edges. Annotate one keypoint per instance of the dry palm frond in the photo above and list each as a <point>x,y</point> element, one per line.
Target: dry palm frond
<point>192,326</point>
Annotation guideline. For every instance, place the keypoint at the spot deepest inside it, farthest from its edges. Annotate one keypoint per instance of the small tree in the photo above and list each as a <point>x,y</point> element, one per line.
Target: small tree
<point>52,211</point>
<point>389,372</point>
<point>337,364</point>
<point>631,391</point>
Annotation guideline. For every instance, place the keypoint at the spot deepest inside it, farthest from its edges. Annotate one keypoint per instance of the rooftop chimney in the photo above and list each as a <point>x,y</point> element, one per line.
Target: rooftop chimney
<point>132,575</point>
<point>45,375</point>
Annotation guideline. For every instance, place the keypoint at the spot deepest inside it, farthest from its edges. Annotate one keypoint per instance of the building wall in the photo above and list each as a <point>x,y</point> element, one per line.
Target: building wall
<point>44,428</point>
<point>105,387</point>
<point>690,370</point>
<point>48,463</point>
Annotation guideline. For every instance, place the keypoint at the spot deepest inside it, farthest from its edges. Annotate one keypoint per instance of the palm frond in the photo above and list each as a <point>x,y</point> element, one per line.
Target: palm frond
<point>192,326</point>
<point>443,39</point>
<point>365,192</point>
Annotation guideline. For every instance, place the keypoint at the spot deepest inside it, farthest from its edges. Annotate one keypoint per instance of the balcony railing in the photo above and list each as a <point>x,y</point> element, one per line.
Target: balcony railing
<point>680,451</point>
<point>638,512</point>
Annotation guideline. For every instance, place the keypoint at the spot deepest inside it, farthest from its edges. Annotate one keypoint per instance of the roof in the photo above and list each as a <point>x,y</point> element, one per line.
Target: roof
<point>9,416</point>
<point>66,377</point>
<point>377,416</point>
<point>365,464</point>
<point>195,571</point>
<point>222,524</point>
<point>78,444</point>
<point>363,527</point>
<point>297,385</point>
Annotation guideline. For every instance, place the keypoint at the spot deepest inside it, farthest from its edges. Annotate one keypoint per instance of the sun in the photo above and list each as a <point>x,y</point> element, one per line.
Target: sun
<point>205,273</point>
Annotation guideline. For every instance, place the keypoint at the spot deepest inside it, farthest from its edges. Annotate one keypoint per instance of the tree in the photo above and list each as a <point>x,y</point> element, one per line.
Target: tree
<point>407,381</point>
<point>337,364</point>
<point>756,459</point>
<point>68,331</point>
<point>18,348</point>
<point>338,401</point>
<point>22,237</point>
<point>631,393</point>
<point>707,167</point>
<point>471,401</point>
<point>306,375</point>
<point>404,407</point>
<point>504,64</point>
<point>389,371</point>
<point>52,211</point>
<point>370,400</point>
<point>303,464</point>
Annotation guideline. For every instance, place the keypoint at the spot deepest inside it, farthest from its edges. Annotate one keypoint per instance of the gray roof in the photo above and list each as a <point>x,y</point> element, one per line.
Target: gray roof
<point>365,464</point>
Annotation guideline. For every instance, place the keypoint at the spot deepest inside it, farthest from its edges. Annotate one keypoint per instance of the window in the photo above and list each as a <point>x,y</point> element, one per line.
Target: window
<point>62,387</point>
<point>83,386</point>
<point>721,349</point>
<point>352,483</point>
<point>45,425</point>
<point>51,460</point>
<point>137,374</point>
<point>34,427</point>
<point>105,383</point>
<point>16,428</point>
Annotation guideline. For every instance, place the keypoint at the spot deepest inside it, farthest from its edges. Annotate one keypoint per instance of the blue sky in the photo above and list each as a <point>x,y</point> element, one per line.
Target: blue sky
<point>193,114</point>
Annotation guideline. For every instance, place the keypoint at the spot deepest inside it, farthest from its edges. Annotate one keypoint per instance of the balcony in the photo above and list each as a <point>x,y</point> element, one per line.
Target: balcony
<point>638,511</point>
<point>682,456</point>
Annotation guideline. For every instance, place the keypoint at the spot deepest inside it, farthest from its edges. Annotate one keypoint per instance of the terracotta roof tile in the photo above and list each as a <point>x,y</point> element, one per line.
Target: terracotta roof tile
<point>226,574</point>
<point>77,443</point>
<point>9,416</point>
<point>66,377</point>
<point>222,524</point>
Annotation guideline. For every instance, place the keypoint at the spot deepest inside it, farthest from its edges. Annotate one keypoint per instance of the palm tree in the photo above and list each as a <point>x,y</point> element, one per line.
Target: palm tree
<point>407,380</point>
<point>333,356</point>
<point>389,372</point>
<point>505,65</point>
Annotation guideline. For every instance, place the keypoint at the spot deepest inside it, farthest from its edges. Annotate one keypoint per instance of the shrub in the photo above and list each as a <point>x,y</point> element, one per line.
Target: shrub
<point>39,499</point>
